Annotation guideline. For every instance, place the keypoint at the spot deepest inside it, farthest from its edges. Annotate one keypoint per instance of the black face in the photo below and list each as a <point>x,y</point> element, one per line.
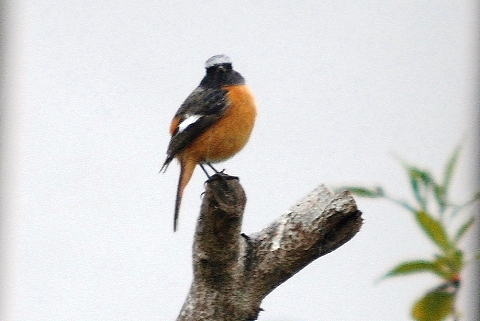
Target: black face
<point>221,75</point>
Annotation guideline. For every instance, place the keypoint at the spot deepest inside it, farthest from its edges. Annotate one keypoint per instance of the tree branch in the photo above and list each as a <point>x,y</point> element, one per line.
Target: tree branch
<point>234,272</point>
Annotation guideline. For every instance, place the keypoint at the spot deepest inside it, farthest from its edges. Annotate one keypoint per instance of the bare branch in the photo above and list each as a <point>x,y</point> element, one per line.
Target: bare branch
<point>233,272</point>
<point>317,225</point>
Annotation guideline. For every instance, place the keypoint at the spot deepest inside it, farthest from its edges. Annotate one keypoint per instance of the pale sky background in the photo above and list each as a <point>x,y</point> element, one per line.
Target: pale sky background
<point>342,87</point>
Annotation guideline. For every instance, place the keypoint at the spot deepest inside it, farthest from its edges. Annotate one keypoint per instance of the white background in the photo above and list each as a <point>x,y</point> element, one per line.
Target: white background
<point>342,88</point>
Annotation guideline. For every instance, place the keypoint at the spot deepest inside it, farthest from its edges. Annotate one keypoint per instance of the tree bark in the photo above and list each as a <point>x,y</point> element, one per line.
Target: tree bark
<point>233,272</point>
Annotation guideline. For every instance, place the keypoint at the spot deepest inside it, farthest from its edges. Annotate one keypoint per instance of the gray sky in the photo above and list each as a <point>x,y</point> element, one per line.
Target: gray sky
<point>341,89</point>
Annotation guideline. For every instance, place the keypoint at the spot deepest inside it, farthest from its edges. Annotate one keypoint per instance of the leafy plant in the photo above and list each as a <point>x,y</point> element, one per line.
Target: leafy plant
<point>432,197</point>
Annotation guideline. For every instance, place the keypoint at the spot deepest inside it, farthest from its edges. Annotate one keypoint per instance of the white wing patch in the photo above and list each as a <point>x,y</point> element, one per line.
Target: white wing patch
<point>190,119</point>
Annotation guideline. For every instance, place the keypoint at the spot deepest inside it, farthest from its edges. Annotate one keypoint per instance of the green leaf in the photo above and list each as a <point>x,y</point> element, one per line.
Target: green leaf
<point>449,267</point>
<point>411,267</point>
<point>415,183</point>
<point>420,181</point>
<point>365,192</point>
<point>435,230</point>
<point>463,229</point>
<point>436,305</point>
<point>457,259</point>
<point>439,192</point>
<point>450,167</point>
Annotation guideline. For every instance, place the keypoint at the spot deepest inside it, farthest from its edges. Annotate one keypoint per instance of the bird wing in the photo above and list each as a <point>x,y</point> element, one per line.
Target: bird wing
<point>202,108</point>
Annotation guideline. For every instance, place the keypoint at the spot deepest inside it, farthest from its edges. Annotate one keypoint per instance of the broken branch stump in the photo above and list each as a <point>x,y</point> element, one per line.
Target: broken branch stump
<point>233,272</point>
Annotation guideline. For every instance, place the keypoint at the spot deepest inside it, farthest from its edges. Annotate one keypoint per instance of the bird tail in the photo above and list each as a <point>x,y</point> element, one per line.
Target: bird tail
<point>166,163</point>
<point>186,171</point>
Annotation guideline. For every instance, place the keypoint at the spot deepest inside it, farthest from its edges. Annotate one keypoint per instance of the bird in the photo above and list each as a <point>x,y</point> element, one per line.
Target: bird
<point>213,123</point>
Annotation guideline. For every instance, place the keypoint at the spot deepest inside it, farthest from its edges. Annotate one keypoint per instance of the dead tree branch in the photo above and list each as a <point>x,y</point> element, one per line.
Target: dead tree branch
<point>233,272</point>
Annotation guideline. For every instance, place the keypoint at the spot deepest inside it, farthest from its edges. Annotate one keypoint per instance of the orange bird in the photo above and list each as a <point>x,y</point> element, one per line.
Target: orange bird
<point>213,123</point>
